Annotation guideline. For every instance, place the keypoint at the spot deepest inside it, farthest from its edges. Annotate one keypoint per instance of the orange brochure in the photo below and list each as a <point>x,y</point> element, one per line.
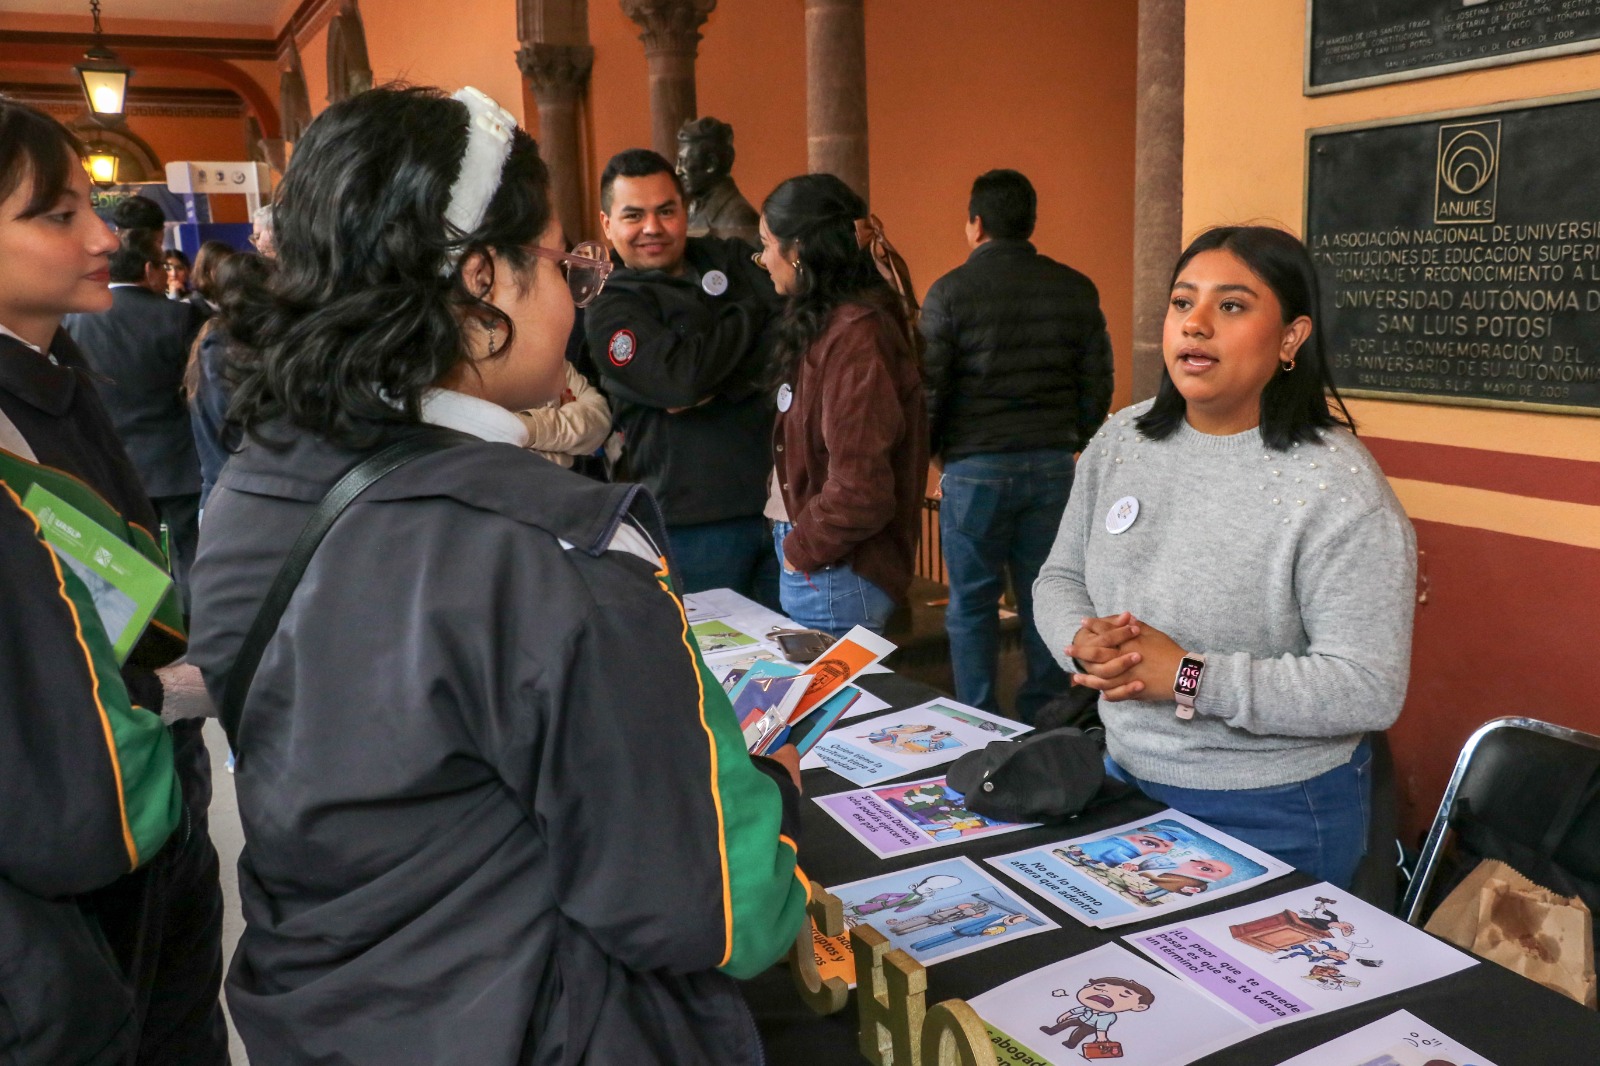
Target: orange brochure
<point>839,665</point>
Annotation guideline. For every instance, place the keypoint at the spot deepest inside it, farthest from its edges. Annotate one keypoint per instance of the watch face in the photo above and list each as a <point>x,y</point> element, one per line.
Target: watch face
<point>1188,681</point>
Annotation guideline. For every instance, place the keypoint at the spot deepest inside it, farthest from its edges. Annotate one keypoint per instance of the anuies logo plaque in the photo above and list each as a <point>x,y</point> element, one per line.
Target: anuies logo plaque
<point>1468,174</point>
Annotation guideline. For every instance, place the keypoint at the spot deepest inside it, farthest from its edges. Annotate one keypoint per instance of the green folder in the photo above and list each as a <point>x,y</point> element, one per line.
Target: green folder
<point>125,586</point>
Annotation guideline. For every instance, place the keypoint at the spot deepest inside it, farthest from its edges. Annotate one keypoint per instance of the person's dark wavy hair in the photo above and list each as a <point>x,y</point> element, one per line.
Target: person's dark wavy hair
<point>207,263</point>
<point>814,219</point>
<point>1296,406</point>
<point>36,148</point>
<point>364,311</point>
<point>234,282</point>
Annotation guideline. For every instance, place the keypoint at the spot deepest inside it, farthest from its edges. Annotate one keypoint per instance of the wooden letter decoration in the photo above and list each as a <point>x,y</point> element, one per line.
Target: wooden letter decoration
<point>891,991</point>
<point>826,915</point>
<point>954,1035</point>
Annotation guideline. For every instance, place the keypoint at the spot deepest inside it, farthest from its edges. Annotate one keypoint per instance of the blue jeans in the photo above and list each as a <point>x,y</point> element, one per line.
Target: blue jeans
<point>1000,510</point>
<point>833,600</point>
<point>1318,825</point>
<point>731,554</point>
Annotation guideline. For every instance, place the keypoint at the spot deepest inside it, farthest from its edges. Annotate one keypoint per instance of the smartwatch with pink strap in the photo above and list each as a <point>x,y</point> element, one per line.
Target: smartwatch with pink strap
<point>1186,686</point>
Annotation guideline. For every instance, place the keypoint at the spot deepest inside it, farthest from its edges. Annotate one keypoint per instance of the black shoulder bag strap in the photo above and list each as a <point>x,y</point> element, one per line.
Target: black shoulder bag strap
<point>344,492</point>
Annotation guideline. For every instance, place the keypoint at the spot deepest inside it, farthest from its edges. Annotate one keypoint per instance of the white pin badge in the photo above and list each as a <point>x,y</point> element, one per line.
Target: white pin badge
<point>1122,515</point>
<point>785,397</point>
<point>715,283</point>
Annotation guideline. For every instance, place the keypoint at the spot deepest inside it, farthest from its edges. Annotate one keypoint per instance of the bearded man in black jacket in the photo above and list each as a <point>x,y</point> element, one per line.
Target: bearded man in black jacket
<point>1019,378</point>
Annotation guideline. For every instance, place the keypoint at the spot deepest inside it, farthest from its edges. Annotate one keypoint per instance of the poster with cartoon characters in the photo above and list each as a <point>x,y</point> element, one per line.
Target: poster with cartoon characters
<point>1140,870</point>
<point>1103,1004</point>
<point>936,912</point>
<point>1401,1039</point>
<point>1305,952</point>
<point>909,741</point>
<point>895,819</point>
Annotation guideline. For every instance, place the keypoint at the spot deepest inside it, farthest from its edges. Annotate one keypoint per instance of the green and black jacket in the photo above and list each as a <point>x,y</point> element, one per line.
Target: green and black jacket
<point>91,793</point>
<point>498,811</point>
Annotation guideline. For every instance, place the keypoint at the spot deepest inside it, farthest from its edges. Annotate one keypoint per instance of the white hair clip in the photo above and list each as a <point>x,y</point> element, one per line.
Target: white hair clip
<point>489,130</point>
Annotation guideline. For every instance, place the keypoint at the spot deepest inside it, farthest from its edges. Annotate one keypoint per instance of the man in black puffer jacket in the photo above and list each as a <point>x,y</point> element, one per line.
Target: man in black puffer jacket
<point>1019,378</point>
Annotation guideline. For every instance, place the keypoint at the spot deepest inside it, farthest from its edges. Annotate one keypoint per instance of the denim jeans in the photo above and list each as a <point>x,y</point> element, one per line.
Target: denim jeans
<point>1000,511</point>
<point>833,600</point>
<point>1319,825</point>
<point>731,554</point>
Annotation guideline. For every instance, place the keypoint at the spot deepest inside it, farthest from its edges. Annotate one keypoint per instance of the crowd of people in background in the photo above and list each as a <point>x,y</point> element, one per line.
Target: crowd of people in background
<point>495,808</point>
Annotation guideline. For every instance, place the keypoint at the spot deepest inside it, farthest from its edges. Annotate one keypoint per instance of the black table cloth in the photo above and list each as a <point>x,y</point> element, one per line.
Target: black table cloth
<point>1496,1013</point>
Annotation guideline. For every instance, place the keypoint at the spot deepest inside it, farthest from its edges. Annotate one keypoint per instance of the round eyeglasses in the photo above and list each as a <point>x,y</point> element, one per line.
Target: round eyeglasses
<point>587,266</point>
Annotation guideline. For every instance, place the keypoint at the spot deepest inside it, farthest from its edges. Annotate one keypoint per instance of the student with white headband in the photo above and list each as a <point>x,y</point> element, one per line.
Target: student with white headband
<point>495,810</point>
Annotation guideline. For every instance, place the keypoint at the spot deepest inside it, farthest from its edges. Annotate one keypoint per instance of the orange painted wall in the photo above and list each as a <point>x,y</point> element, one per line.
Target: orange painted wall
<point>1506,503</point>
<point>953,89</point>
<point>449,43</point>
<point>191,138</point>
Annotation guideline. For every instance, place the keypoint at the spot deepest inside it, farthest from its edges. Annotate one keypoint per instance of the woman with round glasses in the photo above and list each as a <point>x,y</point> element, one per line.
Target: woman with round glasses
<point>577,422</point>
<point>495,810</point>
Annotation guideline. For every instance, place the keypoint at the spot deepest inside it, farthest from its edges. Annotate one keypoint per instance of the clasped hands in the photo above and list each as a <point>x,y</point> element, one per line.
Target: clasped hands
<point>1123,658</point>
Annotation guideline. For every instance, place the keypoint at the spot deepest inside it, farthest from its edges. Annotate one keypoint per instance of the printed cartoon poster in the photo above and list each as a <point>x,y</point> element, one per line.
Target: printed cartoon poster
<point>1140,870</point>
<point>1103,1004</point>
<point>720,635</point>
<point>895,819</point>
<point>934,912</point>
<point>1305,952</point>
<point>1401,1039</point>
<point>909,741</point>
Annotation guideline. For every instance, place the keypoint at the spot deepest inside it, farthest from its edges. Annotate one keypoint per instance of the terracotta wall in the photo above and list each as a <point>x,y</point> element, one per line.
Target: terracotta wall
<point>448,43</point>
<point>1506,503</point>
<point>954,89</point>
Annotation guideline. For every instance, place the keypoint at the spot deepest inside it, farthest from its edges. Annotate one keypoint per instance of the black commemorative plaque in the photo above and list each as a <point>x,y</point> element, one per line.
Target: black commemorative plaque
<point>1459,255</point>
<point>1352,43</point>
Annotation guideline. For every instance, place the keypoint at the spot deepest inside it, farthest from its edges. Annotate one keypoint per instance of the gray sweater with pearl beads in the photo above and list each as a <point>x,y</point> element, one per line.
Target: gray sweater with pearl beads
<point>1294,571</point>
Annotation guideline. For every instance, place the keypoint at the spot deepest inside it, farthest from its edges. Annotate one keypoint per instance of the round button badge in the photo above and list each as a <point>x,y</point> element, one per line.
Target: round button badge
<point>785,397</point>
<point>715,283</point>
<point>1122,515</point>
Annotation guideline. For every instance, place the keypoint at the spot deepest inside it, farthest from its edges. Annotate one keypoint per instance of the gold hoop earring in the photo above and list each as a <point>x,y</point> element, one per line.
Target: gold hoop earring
<point>1287,366</point>
<point>797,266</point>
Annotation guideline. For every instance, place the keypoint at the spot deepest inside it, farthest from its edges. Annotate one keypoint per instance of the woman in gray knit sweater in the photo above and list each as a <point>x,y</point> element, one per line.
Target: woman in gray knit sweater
<point>1234,529</point>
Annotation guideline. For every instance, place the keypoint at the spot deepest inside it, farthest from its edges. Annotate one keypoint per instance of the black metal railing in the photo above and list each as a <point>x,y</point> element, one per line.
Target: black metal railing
<point>930,551</point>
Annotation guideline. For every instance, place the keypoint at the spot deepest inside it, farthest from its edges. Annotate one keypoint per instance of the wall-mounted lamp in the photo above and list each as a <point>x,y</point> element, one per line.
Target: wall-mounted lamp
<point>102,165</point>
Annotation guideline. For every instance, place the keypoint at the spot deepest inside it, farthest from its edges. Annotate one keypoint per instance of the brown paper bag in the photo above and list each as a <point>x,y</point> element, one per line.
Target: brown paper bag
<point>1506,918</point>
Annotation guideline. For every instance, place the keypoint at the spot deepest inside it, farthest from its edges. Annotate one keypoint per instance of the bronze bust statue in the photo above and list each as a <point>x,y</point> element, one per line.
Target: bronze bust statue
<point>705,165</point>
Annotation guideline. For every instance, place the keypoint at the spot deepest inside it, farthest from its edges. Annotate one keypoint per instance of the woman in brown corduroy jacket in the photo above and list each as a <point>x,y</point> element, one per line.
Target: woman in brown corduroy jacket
<point>850,443</point>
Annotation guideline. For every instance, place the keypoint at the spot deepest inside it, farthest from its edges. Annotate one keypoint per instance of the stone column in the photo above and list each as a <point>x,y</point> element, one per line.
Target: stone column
<point>836,90</point>
<point>671,41</point>
<point>1157,182</point>
<point>559,76</point>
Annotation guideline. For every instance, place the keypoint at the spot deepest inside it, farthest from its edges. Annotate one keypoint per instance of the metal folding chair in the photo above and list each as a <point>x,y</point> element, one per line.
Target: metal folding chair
<point>1531,786</point>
